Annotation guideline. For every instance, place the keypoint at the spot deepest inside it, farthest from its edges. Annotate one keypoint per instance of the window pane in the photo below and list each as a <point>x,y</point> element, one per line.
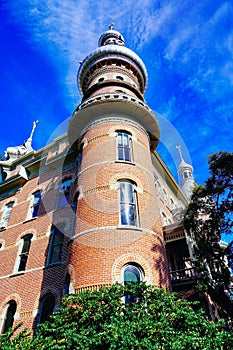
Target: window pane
<point>119,139</point>
<point>36,199</point>
<point>120,154</point>
<point>127,155</point>
<point>56,244</point>
<point>35,211</point>
<point>132,215</point>
<point>56,254</point>
<point>125,140</point>
<point>128,208</point>
<point>58,237</point>
<point>131,274</point>
<point>124,215</point>
<point>126,192</point>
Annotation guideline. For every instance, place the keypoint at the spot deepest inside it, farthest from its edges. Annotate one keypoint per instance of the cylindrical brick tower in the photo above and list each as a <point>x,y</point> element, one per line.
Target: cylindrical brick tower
<point>118,234</point>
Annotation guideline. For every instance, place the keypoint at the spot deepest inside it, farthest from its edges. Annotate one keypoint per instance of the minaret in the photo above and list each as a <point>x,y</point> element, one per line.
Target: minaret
<point>118,234</point>
<point>185,172</point>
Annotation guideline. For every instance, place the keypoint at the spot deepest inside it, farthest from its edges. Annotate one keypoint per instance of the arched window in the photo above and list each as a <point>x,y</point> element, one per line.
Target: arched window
<point>9,316</point>
<point>124,146</point>
<point>128,203</point>
<point>46,308</point>
<point>133,273</point>
<point>35,203</point>
<point>63,193</point>
<point>24,252</point>
<point>6,215</point>
<point>55,245</point>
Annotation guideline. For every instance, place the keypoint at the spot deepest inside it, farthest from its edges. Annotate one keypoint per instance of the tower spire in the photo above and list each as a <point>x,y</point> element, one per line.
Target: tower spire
<point>32,132</point>
<point>180,153</point>
<point>185,172</point>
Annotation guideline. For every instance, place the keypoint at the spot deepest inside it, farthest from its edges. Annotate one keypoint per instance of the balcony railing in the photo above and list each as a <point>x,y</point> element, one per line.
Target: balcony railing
<point>183,275</point>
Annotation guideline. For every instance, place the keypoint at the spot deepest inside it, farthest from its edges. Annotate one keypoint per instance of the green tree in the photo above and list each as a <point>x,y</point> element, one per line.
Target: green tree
<point>15,339</point>
<point>102,320</point>
<point>208,217</point>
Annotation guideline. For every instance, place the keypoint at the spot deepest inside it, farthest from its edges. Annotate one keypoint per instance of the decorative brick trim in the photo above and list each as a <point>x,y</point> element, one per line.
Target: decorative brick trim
<point>26,314</point>
<point>91,287</point>
<point>121,261</point>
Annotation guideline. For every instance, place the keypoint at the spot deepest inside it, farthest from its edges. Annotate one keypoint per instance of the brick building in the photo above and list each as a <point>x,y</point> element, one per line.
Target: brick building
<point>98,204</point>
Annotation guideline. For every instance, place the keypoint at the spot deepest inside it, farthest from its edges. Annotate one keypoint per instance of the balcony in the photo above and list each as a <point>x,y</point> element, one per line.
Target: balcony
<point>184,276</point>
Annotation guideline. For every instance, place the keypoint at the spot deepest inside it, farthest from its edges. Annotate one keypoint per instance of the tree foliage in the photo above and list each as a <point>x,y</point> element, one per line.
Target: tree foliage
<point>101,320</point>
<point>209,216</point>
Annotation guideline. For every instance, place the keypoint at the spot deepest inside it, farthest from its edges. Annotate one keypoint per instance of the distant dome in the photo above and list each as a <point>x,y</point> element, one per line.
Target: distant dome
<point>184,165</point>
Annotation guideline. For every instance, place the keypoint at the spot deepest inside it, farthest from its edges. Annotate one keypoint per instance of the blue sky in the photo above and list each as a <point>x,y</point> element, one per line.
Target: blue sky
<point>187,47</point>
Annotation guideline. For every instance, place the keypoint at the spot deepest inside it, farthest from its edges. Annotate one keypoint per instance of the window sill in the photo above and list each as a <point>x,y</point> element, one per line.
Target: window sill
<point>125,162</point>
<point>15,274</point>
<point>129,227</point>
<point>31,219</point>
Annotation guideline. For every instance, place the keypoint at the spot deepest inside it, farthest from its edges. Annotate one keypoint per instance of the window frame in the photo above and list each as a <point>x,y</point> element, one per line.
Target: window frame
<point>53,246</point>
<point>122,148</point>
<point>124,218</point>
<point>34,205</point>
<point>63,193</point>
<point>24,252</point>
<point>7,210</point>
<point>4,326</point>
<point>41,307</point>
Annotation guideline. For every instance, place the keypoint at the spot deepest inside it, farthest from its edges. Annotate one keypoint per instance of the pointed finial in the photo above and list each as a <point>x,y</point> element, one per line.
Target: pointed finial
<point>33,129</point>
<point>111,26</point>
<point>179,150</point>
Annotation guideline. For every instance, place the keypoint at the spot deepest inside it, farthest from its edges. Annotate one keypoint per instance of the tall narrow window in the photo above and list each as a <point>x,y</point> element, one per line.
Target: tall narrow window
<point>47,306</point>
<point>6,215</point>
<point>164,217</point>
<point>80,157</point>
<point>35,203</point>
<point>63,194</point>
<point>124,146</point>
<point>9,318</point>
<point>67,284</point>
<point>55,246</point>
<point>128,203</point>
<point>25,252</point>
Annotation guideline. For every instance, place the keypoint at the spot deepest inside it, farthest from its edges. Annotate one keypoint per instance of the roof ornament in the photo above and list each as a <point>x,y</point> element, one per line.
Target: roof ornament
<point>179,150</point>
<point>13,153</point>
<point>32,132</point>
<point>111,37</point>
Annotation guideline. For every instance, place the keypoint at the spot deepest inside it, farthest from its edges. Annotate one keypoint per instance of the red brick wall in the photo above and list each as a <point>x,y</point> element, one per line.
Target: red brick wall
<point>99,240</point>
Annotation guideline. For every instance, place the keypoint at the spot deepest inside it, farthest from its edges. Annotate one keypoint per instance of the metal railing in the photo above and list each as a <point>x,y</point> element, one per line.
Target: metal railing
<point>182,275</point>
